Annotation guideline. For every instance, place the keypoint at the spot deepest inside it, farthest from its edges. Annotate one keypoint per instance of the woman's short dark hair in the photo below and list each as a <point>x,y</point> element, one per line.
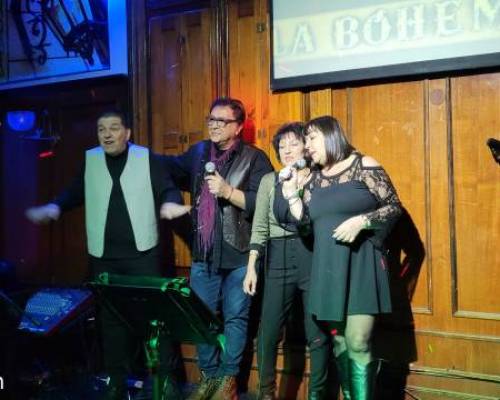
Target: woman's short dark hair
<point>115,113</point>
<point>337,146</point>
<point>234,104</point>
<point>297,128</point>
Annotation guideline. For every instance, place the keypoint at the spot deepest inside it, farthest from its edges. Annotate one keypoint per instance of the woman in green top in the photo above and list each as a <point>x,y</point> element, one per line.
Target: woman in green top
<point>288,267</point>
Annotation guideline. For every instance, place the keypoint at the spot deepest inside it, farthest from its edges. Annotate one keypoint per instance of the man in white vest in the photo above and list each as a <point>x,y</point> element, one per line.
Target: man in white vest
<point>125,189</point>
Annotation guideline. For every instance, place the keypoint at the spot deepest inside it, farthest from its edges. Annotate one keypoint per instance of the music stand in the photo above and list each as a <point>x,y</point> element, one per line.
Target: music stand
<point>150,306</point>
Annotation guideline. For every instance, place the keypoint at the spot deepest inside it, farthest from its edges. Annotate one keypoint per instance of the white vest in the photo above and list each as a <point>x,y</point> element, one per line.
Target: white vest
<point>135,181</point>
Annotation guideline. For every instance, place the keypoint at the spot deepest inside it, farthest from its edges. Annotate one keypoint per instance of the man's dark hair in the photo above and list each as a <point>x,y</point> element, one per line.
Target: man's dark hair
<point>337,146</point>
<point>235,105</point>
<point>297,128</point>
<point>115,113</point>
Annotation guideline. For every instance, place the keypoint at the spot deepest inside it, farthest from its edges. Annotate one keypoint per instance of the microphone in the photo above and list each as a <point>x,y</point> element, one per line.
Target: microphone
<point>210,168</point>
<point>286,173</point>
<point>299,164</point>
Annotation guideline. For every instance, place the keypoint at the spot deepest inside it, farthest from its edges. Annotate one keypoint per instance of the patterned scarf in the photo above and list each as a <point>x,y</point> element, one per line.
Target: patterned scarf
<point>208,202</point>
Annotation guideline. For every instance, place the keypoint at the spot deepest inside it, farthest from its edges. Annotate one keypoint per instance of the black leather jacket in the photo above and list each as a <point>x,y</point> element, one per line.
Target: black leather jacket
<point>243,171</point>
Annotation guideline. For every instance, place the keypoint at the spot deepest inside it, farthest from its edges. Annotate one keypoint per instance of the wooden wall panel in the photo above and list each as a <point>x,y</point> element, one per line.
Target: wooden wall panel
<point>249,74</point>
<point>388,124</point>
<point>476,193</point>
<point>243,65</point>
<point>320,103</point>
<point>139,73</point>
<point>340,108</point>
<point>283,108</point>
<point>181,92</point>
<point>461,353</point>
<point>196,73</point>
<point>277,108</point>
<point>180,80</point>
<point>437,200</point>
<point>165,85</point>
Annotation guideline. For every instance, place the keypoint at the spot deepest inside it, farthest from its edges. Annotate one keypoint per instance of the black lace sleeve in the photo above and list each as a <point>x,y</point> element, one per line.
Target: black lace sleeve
<point>380,185</point>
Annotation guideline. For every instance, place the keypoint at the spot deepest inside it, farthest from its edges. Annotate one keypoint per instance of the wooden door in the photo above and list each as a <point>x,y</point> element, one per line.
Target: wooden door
<point>181,92</point>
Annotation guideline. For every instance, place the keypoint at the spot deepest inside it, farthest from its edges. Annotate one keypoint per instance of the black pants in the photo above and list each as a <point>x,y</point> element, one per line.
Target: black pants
<point>118,341</point>
<point>287,274</point>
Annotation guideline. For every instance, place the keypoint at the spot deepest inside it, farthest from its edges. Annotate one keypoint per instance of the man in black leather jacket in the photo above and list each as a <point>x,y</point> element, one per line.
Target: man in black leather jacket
<point>223,203</point>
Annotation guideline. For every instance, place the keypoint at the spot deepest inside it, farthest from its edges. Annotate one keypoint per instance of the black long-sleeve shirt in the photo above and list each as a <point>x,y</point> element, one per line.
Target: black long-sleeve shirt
<point>119,239</point>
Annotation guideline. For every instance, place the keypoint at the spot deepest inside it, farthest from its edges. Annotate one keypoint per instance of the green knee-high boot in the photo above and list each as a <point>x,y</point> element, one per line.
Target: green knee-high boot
<point>342,362</point>
<point>362,378</point>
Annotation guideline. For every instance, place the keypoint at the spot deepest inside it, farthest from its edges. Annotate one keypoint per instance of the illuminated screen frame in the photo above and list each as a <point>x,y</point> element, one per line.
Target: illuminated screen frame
<point>377,72</point>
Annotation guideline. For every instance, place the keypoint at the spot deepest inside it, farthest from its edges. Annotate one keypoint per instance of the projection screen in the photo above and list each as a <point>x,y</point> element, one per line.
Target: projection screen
<point>318,42</point>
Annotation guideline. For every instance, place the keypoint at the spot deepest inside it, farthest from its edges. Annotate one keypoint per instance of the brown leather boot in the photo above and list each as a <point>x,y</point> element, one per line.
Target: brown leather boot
<point>228,389</point>
<point>206,388</point>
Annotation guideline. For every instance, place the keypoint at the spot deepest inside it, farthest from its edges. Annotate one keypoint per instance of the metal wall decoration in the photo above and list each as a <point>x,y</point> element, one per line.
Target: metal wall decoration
<point>75,30</point>
<point>46,38</point>
<point>31,28</point>
<point>70,23</point>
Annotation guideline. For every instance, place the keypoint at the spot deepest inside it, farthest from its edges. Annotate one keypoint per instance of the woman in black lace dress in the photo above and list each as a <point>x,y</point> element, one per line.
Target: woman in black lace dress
<point>351,204</point>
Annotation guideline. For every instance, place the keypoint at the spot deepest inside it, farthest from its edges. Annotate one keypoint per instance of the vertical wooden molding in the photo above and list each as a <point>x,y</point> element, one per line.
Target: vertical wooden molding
<point>139,94</point>
<point>428,197</point>
<point>219,48</point>
<point>224,53</point>
<point>349,113</point>
<point>306,105</point>
<point>451,197</point>
<point>262,98</point>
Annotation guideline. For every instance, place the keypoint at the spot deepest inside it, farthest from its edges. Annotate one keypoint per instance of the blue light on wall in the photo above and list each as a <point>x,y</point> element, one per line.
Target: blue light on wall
<point>21,121</point>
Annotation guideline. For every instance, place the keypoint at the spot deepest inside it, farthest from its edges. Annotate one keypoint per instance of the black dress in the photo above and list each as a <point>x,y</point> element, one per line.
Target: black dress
<point>350,278</point>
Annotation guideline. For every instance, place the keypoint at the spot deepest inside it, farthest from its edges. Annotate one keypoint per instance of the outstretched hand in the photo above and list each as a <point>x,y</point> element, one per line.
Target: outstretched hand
<point>43,214</point>
<point>173,210</point>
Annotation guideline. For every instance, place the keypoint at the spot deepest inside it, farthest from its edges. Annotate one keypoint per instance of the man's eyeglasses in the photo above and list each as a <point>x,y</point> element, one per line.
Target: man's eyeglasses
<point>219,122</point>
